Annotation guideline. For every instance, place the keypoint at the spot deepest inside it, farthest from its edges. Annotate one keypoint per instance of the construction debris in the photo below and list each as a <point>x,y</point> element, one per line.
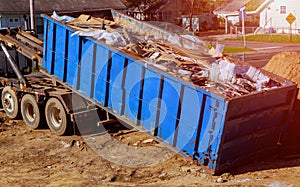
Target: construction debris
<point>209,70</point>
<point>61,18</point>
<point>111,38</point>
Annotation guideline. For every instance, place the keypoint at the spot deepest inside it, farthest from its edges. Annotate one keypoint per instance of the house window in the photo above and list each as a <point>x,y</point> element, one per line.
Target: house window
<point>12,20</point>
<point>282,9</point>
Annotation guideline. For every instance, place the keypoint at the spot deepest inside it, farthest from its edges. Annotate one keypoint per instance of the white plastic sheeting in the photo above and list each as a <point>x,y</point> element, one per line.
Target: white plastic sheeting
<point>111,38</point>
<point>238,76</point>
<point>64,19</point>
<point>193,38</point>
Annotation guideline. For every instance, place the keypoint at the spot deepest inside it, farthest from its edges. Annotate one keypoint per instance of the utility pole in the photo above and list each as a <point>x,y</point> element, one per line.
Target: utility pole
<point>32,25</point>
<point>243,25</point>
<point>242,11</point>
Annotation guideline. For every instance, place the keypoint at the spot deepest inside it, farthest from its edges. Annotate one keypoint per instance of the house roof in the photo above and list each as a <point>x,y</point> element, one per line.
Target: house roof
<point>252,6</point>
<point>231,7</point>
<point>46,6</point>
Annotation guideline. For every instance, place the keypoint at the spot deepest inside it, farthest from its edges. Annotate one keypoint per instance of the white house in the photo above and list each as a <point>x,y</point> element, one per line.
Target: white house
<point>275,13</point>
<point>230,12</point>
<point>271,13</point>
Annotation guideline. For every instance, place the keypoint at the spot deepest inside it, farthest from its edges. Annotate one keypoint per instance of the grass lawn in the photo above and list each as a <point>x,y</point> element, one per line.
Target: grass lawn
<point>229,49</point>
<point>276,38</point>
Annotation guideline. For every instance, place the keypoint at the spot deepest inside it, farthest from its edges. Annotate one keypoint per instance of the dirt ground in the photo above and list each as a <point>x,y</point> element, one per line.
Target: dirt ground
<point>39,158</point>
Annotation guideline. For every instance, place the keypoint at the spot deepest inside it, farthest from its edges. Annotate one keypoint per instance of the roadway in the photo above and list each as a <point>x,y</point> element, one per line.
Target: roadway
<point>263,51</point>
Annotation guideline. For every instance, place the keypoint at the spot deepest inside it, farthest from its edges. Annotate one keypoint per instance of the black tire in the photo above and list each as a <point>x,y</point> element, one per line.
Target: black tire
<point>56,117</point>
<point>10,102</point>
<point>30,111</point>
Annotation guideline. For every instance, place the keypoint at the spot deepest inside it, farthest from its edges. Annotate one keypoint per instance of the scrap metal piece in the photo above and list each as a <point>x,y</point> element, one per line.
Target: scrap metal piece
<point>22,48</point>
<point>24,39</point>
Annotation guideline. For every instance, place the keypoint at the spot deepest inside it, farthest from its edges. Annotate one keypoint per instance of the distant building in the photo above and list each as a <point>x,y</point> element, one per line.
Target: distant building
<point>168,11</point>
<point>178,12</point>
<point>200,22</point>
<point>14,13</point>
<point>275,12</point>
<point>272,14</point>
<point>230,12</point>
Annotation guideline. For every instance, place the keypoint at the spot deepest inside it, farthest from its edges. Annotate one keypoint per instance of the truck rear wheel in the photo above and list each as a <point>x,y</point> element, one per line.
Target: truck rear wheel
<point>56,117</point>
<point>10,102</point>
<point>30,111</point>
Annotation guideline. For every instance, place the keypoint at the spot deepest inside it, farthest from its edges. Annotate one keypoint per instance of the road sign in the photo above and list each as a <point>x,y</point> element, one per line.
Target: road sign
<point>290,18</point>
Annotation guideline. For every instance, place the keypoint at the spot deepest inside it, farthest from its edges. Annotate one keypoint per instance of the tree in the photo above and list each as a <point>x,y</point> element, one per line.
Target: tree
<point>253,4</point>
<point>203,6</point>
<point>140,4</point>
<point>191,6</point>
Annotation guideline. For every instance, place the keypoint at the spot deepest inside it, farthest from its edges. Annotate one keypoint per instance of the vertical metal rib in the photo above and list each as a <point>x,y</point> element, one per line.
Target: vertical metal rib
<point>200,124</point>
<point>178,115</point>
<point>66,56</point>
<point>161,88</point>
<point>109,65</point>
<point>123,86</point>
<point>79,64</point>
<point>93,70</point>
<point>142,83</point>
<point>53,52</point>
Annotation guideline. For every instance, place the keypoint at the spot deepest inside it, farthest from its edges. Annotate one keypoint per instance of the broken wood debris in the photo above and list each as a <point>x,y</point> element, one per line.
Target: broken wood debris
<point>213,71</point>
<point>87,21</point>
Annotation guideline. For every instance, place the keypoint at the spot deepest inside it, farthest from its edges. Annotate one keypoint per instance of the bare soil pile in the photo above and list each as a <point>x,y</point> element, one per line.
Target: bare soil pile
<point>287,65</point>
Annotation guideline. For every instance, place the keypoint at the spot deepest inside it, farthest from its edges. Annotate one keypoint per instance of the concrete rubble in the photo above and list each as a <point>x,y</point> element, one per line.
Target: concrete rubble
<point>209,69</point>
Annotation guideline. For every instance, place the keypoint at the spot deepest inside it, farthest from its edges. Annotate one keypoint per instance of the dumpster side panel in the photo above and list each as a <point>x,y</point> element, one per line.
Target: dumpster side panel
<point>72,60</point>
<point>133,87</point>
<point>49,49</point>
<point>210,137</point>
<point>255,129</point>
<point>85,71</point>
<point>169,109</point>
<point>190,120</point>
<point>151,102</point>
<point>60,51</point>
<point>100,77</point>
<point>201,126</point>
<point>267,99</point>
<point>118,69</point>
<point>46,52</point>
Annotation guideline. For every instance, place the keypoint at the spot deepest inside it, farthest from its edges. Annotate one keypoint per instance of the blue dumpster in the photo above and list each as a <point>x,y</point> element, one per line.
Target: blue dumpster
<point>217,131</point>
